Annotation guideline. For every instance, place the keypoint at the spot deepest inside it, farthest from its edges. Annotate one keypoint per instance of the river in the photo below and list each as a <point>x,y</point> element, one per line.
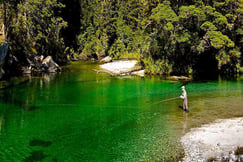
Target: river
<point>81,115</point>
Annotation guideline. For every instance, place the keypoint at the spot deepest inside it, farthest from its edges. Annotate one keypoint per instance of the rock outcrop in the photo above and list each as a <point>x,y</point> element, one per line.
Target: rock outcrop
<point>139,73</point>
<point>121,68</point>
<point>41,65</point>
<point>49,65</point>
<point>3,54</point>
<point>106,59</point>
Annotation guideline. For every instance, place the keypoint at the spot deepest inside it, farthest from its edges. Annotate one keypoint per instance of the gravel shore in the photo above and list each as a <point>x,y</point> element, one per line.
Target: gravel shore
<point>120,66</point>
<point>218,140</point>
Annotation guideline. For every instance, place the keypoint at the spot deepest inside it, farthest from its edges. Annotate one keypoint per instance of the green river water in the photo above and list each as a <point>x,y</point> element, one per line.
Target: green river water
<point>79,115</point>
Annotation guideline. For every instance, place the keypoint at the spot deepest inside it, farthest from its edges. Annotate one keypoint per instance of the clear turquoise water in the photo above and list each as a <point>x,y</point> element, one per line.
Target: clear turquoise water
<point>79,115</point>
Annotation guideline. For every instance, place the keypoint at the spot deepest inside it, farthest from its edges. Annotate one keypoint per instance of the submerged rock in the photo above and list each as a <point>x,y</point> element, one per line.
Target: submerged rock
<point>35,156</point>
<point>38,142</point>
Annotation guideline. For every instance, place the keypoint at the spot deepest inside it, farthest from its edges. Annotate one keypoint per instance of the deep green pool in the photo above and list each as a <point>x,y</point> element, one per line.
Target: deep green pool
<point>79,115</point>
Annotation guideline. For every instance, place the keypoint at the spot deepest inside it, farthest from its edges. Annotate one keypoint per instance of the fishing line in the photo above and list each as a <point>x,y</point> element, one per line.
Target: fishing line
<point>77,105</point>
<point>164,100</point>
<point>104,106</point>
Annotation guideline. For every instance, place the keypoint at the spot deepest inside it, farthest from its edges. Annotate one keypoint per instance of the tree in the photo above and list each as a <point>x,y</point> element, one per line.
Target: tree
<point>166,36</point>
<point>35,30</point>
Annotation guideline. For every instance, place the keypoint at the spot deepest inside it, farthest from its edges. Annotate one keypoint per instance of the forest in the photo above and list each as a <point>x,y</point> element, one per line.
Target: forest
<point>179,37</point>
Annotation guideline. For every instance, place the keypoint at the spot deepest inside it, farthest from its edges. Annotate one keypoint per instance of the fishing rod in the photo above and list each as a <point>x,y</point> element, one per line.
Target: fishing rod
<point>165,100</point>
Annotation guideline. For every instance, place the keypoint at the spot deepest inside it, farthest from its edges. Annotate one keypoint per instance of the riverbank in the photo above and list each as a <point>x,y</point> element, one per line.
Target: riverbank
<point>217,140</point>
<point>130,67</point>
<point>122,67</point>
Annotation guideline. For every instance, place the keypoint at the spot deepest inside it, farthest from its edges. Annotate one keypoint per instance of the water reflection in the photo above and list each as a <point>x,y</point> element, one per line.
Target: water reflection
<point>184,123</point>
<point>93,116</point>
<point>47,78</point>
<point>1,123</point>
<point>22,93</point>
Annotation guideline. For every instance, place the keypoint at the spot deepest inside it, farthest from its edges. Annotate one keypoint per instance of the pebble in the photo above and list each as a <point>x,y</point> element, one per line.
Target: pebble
<point>201,144</point>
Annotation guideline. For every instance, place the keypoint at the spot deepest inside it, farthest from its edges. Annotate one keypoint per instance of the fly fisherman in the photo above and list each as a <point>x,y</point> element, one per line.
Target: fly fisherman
<point>184,97</point>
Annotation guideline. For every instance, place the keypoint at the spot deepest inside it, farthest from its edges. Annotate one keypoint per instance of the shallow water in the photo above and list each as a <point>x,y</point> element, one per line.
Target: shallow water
<point>79,115</point>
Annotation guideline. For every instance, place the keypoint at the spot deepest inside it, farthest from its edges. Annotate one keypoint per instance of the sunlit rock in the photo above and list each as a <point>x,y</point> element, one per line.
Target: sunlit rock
<point>138,73</point>
<point>106,59</point>
<point>120,67</point>
<point>42,65</point>
<point>50,65</point>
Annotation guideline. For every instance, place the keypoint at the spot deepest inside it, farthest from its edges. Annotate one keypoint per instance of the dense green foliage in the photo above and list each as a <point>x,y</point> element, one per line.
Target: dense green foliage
<point>33,28</point>
<point>166,36</point>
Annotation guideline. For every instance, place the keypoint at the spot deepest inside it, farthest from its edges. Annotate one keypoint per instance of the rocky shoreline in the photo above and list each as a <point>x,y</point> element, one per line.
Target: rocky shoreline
<point>121,67</point>
<point>128,67</point>
<point>217,141</point>
<point>41,65</point>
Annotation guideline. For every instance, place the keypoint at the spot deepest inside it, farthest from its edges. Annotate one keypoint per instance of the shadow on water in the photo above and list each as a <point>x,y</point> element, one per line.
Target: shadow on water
<point>35,156</point>
<point>20,85</point>
<point>13,82</point>
<point>38,142</point>
<point>31,108</point>
<point>22,104</point>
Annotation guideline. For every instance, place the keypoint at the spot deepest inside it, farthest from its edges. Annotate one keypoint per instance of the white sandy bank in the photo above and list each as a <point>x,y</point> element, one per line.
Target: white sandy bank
<point>120,66</point>
<point>212,140</point>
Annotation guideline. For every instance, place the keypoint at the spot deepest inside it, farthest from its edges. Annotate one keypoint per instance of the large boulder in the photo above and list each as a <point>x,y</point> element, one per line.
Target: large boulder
<point>39,65</point>
<point>26,69</point>
<point>50,66</point>
<point>139,73</point>
<point>106,59</point>
<point>3,54</point>
<point>37,61</point>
